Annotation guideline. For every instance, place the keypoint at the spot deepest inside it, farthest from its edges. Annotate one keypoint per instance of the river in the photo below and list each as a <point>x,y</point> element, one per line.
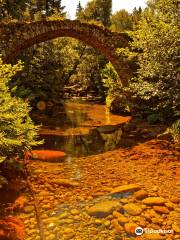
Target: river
<point>101,189</point>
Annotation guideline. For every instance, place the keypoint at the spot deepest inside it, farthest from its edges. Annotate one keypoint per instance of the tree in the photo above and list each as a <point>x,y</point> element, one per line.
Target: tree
<point>121,21</point>
<point>105,10</point>
<point>54,6</point>
<point>13,8</point>
<point>156,39</point>
<point>99,10</point>
<point>79,10</point>
<point>136,15</point>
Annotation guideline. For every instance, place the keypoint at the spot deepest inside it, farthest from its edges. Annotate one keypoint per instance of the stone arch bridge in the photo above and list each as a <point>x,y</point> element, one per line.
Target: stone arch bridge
<point>15,37</point>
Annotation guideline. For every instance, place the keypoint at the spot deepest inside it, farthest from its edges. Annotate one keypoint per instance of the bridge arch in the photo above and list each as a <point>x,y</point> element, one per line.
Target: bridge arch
<point>15,37</point>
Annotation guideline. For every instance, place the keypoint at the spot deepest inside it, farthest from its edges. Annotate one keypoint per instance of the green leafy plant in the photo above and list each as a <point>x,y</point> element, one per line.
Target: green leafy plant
<point>17,131</point>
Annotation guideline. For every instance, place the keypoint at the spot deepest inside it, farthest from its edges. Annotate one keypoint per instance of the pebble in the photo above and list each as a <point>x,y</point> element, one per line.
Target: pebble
<point>126,188</point>
<point>51,237</point>
<point>107,223</point>
<point>74,212</point>
<point>154,201</point>
<point>153,236</point>
<point>141,194</point>
<point>118,229</point>
<point>176,228</point>
<point>130,228</point>
<point>132,209</point>
<point>29,209</point>
<point>63,215</point>
<point>69,236</point>
<point>162,210</point>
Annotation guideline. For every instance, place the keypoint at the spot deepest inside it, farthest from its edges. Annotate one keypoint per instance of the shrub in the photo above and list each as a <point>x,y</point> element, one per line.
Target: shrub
<point>17,131</point>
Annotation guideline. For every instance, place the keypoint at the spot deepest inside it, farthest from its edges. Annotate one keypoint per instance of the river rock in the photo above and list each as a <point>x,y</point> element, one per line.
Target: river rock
<point>63,215</point>
<point>46,155</point>
<point>126,188</point>
<point>132,209</point>
<point>153,236</point>
<point>162,210</point>
<point>74,212</point>
<point>103,209</point>
<point>51,220</point>
<point>122,219</point>
<point>141,194</point>
<point>154,201</point>
<point>176,228</point>
<point>65,182</point>
<point>116,226</point>
<point>175,200</point>
<point>130,228</point>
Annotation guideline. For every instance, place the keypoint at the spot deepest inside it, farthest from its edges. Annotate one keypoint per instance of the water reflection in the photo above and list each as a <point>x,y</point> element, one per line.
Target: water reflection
<point>83,129</point>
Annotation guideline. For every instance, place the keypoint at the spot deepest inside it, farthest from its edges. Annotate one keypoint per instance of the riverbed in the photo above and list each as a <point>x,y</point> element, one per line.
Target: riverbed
<point>117,176</point>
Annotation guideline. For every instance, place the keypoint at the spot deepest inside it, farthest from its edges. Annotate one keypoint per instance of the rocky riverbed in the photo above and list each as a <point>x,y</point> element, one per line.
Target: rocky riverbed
<point>126,176</point>
<point>114,193</point>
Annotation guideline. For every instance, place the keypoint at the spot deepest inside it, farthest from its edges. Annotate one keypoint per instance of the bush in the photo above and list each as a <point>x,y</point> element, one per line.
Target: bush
<point>17,131</point>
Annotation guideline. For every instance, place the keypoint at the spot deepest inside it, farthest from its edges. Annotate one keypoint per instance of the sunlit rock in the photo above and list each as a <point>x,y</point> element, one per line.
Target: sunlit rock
<point>154,201</point>
<point>132,209</point>
<point>65,182</point>
<point>162,210</point>
<point>130,228</point>
<point>126,188</point>
<point>46,155</point>
<point>141,194</point>
<point>103,209</point>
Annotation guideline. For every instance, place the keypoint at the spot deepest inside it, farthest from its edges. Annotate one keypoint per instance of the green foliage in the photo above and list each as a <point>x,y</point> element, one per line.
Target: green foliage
<point>99,10</point>
<point>48,70</point>
<point>17,131</point>
<point>121,21</point>
<point>155,118</point>
<point>156,39</point>
<point>175,130</point>
<point>79,10</point>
